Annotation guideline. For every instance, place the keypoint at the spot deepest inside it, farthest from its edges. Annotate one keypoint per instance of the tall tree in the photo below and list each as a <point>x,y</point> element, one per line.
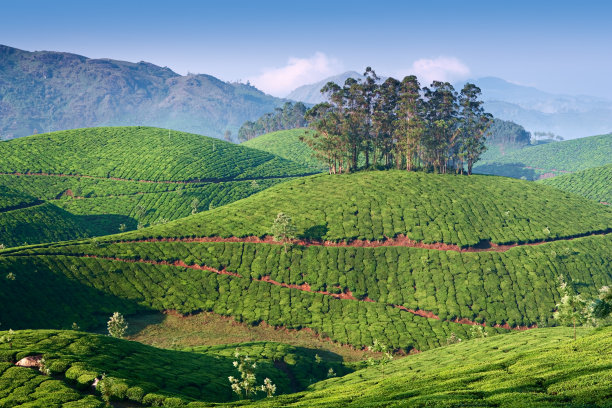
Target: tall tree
<point>384,118</point>
<point>410,125</point>
<point>474,123</point>
<point>441,115</point>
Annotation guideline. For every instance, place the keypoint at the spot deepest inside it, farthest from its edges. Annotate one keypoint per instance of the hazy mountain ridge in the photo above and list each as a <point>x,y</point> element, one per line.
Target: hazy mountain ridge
<point>45,91</point>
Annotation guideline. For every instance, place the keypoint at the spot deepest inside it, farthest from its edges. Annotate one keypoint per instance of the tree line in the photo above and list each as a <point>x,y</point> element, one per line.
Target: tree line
<point>290,116</point>
<point>367,124</point>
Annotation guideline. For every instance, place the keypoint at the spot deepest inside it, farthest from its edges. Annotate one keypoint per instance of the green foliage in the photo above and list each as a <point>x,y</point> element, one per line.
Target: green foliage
<point>101,192</point>
<point>505,132</point>
<point>283,229</point>
<point>288,145</point>
<point>133,373</point>
<point>290,116</point>
<point>594,184</point>
<point>551,159</point>
<point>537,368</point>
<point>427,208</point>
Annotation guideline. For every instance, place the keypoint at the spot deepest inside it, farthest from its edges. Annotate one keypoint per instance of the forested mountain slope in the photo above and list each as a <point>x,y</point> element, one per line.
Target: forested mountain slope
<point>44,90</point>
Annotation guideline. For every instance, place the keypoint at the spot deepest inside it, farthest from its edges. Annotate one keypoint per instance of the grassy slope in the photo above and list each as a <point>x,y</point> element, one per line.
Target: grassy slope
<point>539,368</point>
<point>143,373</point>
<point>228,173</point>
<point>595,183</point>
<point>517,287</point>
<point>287,144</point>
<point>25,219</point>
<point>431,208</point>
<point>549,159</point>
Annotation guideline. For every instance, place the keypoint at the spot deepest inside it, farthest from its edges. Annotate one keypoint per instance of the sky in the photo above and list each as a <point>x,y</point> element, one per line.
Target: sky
<point>556,46</point>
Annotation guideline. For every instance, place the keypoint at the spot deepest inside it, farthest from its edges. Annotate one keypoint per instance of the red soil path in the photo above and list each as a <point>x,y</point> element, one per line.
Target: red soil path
<point>400,240</point>
<point>346,295</point>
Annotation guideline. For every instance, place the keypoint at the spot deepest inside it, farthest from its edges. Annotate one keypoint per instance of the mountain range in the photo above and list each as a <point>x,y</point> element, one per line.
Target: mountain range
<point>569,116</point>
<point>45,91</point>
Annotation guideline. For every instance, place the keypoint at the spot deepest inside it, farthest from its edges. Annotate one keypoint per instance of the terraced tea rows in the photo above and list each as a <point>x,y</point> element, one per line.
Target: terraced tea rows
<point>142,374</point>
<point>287,144</point>
<point>428,208</point>
<point>550,159</point>
<point>97,175</point>
<point>594,184</point>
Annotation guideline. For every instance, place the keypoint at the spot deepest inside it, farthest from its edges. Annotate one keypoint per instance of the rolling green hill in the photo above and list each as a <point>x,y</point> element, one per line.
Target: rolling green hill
<point>140,373</point>
<point>538,368</point>
<point>550,159</point>
<point>479,249</point>
<point>287,144</point>
<point>25,219</point>
<point>135,175</point>
<point>595,183</point>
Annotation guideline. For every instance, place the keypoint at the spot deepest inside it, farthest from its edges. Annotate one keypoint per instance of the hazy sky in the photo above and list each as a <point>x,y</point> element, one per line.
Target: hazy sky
<point>557,46</point>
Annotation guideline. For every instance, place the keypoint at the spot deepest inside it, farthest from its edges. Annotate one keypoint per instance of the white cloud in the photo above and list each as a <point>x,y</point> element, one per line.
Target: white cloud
<point>297,72</point>
<point>438,69</point>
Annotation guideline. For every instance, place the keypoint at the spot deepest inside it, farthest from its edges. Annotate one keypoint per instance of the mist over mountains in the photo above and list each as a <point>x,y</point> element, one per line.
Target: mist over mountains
<point>45,91</point>
<point>570,116</point>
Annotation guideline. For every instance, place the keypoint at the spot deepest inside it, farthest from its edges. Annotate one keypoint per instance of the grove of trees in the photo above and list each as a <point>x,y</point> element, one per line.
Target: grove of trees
<point>365,124</point>
<point>290,116</point>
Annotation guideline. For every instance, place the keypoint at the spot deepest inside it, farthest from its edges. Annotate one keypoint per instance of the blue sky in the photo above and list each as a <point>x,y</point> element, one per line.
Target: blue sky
<point>557,46</point>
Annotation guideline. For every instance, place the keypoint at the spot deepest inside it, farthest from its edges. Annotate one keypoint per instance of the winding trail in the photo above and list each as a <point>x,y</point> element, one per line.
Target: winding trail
<point>345,295</point>
<point>190,181</point>
<point>399,241</point>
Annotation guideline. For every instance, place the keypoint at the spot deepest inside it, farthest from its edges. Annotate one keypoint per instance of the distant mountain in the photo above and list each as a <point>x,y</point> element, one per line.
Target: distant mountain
<point>45,91</point>
<point>570,116</point>
<point>312,93</point>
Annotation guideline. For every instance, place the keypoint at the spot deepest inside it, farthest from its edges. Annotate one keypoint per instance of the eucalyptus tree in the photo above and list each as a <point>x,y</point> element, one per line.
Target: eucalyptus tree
<point>410,125</point>
<point>474,122</point>
<point>384,118</point>
<point>441,111</point>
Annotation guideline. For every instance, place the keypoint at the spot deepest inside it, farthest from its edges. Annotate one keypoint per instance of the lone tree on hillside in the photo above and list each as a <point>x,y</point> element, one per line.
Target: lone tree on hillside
<point>603,306</point>
<point>572,310</point>
<point>246,384</point>
<point>283,229</point>
<point>117,325</point>
<point>227,135</point>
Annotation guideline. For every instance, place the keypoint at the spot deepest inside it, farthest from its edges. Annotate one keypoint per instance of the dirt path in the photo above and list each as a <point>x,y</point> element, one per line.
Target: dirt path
<point>191,181</point>
<point>346,295</point>
<point>400,240</point>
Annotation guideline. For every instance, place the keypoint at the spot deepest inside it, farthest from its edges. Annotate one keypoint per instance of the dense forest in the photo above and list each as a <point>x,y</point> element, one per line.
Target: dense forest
<point>507,132</point>
<point>290,116</point>
<point>398,124</point>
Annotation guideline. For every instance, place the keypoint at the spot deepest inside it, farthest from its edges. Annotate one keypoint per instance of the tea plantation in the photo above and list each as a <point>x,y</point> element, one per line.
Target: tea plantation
<point>551,159</point>
<point>428,208</point>
<point>287,144</point>
<point>97,175</point>
<point>537,368</point>
<point>140,373</point>
<point>25,219</point>
<point>595,183</point>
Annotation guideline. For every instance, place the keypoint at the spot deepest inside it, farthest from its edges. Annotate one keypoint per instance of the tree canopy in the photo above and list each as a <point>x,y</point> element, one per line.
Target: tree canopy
<point>365,124</point>
<point>290,116</point>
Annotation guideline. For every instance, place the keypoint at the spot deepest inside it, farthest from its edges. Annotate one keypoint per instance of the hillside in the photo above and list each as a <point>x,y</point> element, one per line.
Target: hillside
<point>542,368</point>
<point>287,144</point>
<point>594,183</point>
<point>548,160</point>
<point>25,219</point>
<point>45,90</point>
<point>128,176</point>
<point>140,373</point>
<point>479,249</point>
